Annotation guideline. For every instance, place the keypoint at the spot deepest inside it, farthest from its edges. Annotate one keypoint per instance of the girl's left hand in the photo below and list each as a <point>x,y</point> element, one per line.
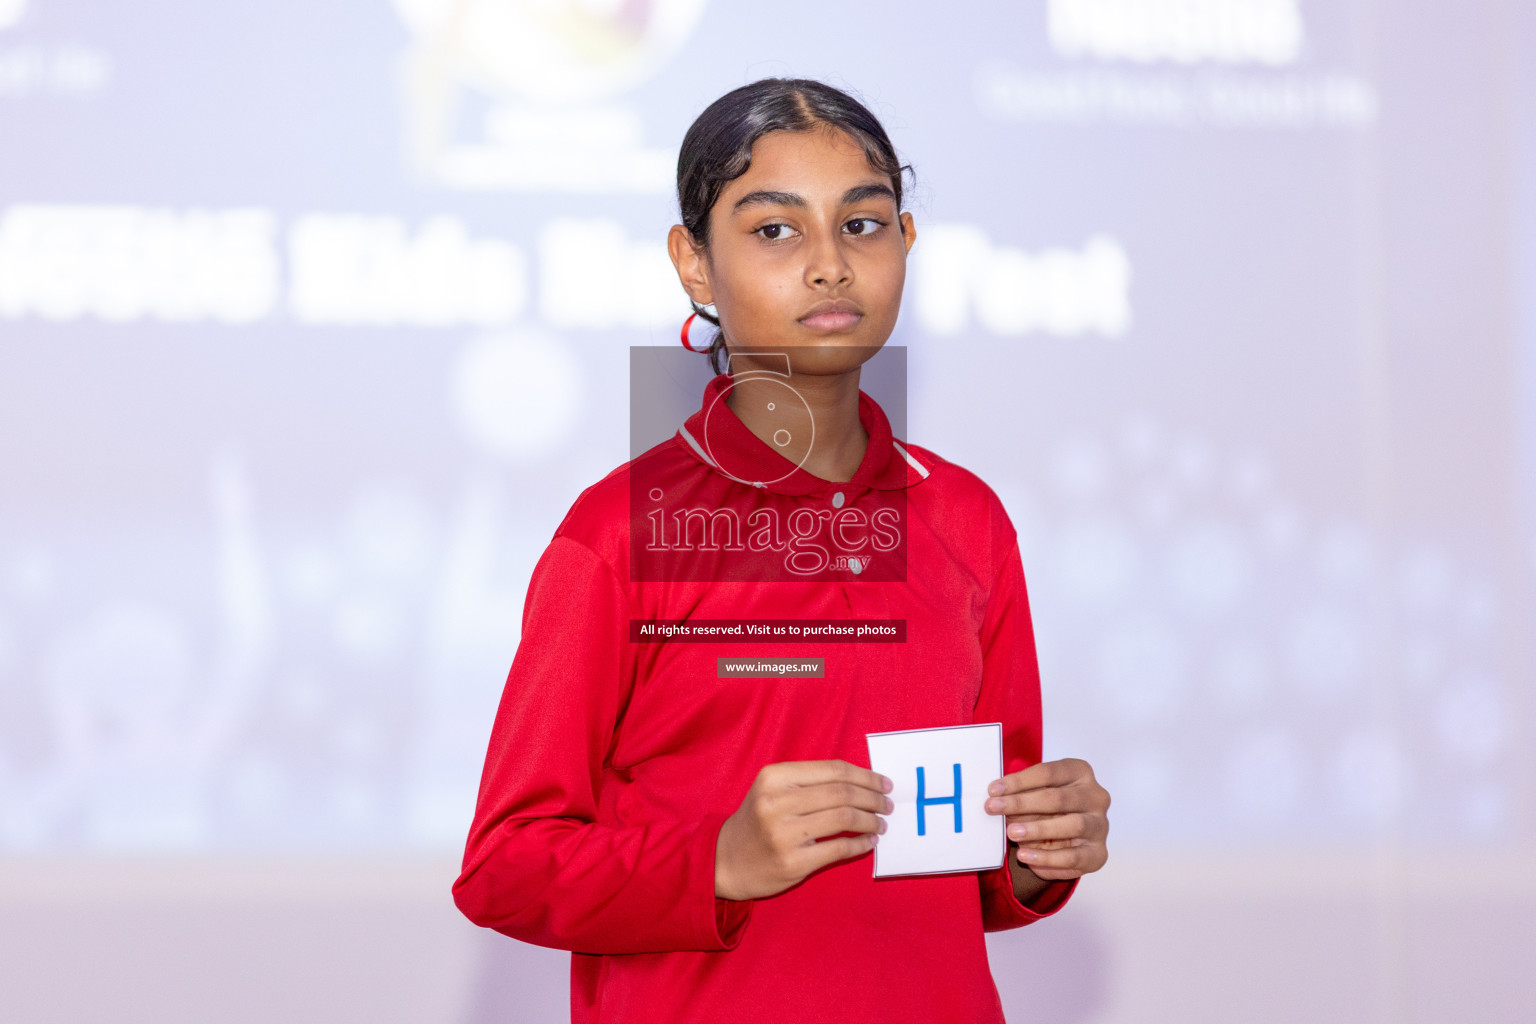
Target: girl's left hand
<point>1058,814</point>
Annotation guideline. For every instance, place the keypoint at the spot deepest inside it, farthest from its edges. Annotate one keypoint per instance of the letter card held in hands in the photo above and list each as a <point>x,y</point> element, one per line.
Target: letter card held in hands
<point>940,823</point>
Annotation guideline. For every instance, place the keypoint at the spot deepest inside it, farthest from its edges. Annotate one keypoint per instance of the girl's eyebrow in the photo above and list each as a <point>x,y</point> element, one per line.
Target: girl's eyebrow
<point>857,194</point>
<point>763,198</point>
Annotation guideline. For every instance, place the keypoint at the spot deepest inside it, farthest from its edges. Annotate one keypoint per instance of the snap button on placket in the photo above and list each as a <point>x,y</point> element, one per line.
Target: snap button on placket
<point>837,500</point>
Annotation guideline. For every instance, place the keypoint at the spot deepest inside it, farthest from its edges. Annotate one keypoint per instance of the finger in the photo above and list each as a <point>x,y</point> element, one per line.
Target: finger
<point>1081,799</point>
<point>1046,773</point>
<point>827,796</point>
<point>815,773</point>
<point>1061,826</point>
<point>1024,817</point>
<point>818,855</point>
<point>1054,844</point>
<point>1042,802</point>
<point>804,829</point>
<point>1077,858</point>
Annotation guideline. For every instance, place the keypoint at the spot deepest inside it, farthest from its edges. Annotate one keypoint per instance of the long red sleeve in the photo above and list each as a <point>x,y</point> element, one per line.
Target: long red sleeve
<point>1010,693</point>
<point>538,865</point>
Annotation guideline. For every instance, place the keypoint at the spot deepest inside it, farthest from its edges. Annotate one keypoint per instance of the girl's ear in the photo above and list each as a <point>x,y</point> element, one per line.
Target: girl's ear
<point>692,267</point>
<point>908,231</point>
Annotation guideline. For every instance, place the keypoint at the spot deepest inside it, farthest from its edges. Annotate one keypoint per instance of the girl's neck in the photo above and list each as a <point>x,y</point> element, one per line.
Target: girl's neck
<point>784,414</point>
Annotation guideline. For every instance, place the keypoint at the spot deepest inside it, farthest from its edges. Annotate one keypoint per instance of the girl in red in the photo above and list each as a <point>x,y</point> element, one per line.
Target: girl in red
<point>701,843</point>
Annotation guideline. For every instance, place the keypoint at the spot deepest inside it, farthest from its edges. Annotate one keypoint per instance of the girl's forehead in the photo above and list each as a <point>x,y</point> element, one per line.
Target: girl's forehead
<point>822,144</point>
<point>830,158</point>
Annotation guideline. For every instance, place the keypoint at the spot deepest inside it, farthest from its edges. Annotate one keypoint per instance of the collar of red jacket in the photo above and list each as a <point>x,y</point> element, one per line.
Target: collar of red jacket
<point>728,447</point>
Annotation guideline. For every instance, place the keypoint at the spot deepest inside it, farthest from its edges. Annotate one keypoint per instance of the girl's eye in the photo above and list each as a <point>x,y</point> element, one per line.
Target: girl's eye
<point>774,232</point>
<point>862,226</point>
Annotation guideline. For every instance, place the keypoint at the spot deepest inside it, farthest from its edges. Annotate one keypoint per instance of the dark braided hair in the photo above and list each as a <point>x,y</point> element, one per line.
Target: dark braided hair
<point>718,149</point>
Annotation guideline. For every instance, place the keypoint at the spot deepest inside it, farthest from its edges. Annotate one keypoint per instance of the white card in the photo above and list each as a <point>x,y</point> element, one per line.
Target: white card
<point>921,836</point>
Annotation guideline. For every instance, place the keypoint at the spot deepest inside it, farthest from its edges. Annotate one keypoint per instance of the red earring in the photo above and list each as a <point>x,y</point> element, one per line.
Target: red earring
<point>686,324</point>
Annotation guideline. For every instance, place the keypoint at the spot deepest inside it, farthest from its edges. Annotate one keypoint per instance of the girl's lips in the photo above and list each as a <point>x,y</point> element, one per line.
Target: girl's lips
<point>832,321</point>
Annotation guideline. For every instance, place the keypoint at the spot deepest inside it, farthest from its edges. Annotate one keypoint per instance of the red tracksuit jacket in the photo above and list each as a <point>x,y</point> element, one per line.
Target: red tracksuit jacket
<point>613,763</point>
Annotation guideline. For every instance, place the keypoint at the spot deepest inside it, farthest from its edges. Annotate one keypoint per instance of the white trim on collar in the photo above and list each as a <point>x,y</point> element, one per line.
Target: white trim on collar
<point>904,454</point>
<point>705,456</point>
<point>696,447</point>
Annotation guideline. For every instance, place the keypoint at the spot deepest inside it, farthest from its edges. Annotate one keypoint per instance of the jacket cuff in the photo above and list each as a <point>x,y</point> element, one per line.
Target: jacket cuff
<point>718,922</point>
<point>1002,909</point>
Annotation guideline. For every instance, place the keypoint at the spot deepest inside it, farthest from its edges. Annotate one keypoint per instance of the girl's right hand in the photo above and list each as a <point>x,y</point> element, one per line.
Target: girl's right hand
<point>771,843</point>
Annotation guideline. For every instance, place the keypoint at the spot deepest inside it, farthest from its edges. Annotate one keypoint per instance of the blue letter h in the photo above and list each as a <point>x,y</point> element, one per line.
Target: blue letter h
<point>923,801</point>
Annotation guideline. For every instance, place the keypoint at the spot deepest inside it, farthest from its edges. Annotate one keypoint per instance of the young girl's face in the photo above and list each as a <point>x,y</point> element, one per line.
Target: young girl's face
<point>806,253</point>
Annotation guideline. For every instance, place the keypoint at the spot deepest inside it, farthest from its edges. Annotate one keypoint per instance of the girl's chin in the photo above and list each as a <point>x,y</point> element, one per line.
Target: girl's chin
<point>811,342</point>
<point>833,354</point>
